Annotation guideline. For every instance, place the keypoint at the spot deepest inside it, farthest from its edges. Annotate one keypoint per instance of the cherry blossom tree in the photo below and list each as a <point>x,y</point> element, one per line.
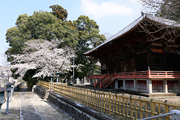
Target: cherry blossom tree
<point>43,56</point>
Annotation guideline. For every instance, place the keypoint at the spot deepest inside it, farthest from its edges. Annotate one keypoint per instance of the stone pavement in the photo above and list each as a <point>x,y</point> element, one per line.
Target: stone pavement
<point>28,106</point>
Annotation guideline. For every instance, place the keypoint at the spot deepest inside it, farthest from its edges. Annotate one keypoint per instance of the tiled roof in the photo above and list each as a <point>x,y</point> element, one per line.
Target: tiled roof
<point>156,19</point>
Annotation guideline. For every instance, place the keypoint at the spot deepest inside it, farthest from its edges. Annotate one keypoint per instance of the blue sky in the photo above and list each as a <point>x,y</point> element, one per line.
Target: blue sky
<point>110,15</point>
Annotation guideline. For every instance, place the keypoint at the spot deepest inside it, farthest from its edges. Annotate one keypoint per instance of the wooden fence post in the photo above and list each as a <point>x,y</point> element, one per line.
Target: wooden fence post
<point>109,104</point>
<point>140,108</point>
<point>166,109</point>
<point>123,108</point>
<point>152,107</point>
<point>116,105</point>
<point>131,105</point>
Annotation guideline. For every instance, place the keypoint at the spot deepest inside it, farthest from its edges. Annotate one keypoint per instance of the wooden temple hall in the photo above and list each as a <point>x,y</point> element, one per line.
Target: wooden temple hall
<point>142,57</point>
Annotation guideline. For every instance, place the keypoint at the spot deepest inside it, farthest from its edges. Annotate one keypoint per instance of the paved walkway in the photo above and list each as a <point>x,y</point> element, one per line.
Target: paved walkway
<point>28,106</point>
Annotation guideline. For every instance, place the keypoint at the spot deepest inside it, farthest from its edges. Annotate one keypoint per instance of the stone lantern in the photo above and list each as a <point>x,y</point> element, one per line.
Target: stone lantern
<point>9,86</point>
<point>2,99</point>
<point>57,74</point>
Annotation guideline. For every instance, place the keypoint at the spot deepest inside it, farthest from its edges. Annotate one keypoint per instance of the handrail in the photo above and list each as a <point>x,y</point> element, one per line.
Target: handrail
<point>108,79</point>
<point>172,112</point>
<point>145,74</point>
<point>102,79</point>
<point>96,76</point>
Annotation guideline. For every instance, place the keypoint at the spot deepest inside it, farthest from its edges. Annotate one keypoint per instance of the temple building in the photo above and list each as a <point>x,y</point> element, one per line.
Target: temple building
<point>142,57</point>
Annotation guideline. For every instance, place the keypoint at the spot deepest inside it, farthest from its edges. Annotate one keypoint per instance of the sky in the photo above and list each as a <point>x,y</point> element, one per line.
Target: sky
<point>111,15</point>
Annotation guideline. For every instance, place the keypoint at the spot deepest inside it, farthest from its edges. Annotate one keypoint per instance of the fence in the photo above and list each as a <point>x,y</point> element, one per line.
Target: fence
<point>142,74</point>
<point>114,105</point>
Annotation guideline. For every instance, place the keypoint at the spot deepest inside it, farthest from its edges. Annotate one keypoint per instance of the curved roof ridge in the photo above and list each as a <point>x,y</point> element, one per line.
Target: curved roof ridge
<point>121,32</point>
<point>162,20</point>
<point>135,23</point>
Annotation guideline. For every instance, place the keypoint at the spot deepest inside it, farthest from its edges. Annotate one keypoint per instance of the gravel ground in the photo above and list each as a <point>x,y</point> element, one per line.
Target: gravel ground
<point>172,99</point>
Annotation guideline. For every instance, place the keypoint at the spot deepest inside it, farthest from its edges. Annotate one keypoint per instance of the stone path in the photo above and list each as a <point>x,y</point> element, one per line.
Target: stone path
<point>28,106</point>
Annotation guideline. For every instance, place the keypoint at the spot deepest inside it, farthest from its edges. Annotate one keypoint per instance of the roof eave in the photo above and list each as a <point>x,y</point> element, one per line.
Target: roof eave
<point>133,25</point>
<point>119,34</point>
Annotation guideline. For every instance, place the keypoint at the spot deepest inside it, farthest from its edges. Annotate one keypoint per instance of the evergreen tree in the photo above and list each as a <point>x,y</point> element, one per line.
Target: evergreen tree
<point>59,12</point>
<point>88,38</point>
<point>41,25</point>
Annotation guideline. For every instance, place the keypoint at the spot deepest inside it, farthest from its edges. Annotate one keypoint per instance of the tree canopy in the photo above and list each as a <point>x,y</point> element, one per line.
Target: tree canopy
<point>59,12</point>
<point>41,25</point>
<point>88,38</point>
<point>80,36</point>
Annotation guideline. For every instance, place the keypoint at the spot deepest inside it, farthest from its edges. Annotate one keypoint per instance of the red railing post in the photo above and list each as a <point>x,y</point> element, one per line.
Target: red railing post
<point>94,84</point>
<point>100,85</point>
<point>166,74</point>
<point>149,73</point>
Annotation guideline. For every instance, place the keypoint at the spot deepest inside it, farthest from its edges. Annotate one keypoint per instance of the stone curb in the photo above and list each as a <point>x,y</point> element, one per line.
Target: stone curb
<point>75,110</point>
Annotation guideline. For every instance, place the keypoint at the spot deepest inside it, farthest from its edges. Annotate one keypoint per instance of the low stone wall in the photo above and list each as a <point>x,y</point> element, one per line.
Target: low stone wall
<point>40,91</point>
<point>73,109</point>
<point>16,88</point>
<point>70,110</point>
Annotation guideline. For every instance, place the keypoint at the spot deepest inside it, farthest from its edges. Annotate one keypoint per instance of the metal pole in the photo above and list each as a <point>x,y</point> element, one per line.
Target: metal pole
<point>8,78</point>
<point>12,93</point>
<point>57,79</point>
<point>0,110</point>
<point>73,70</point>
<point>7,109</point>
<point>51,78</point>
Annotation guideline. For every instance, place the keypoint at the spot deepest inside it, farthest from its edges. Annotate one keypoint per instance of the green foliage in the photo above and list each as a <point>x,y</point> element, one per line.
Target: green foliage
<point>30,81</point>
<point>88,38</point>
<point>15,76</point>
<point>59,12</point>
<point>41,25</point>
<point>15,40</point>
<point>81,35</point>
<point>170,9</point>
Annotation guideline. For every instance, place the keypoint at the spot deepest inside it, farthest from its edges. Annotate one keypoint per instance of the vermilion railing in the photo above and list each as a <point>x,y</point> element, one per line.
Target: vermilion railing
<point>139,74</point>
<point>107,80</point>
<point>164,74</point>
<point>143,75</point>
<point>102,79</point>
<point>96,76</point>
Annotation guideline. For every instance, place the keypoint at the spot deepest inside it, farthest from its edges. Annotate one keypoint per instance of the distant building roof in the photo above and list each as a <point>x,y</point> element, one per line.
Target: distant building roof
<point>150,17</point>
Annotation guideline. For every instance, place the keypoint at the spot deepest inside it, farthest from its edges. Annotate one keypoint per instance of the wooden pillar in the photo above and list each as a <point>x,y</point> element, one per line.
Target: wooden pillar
<point>124,84</point>
<point>125,69</point>
<point>135,85</point>
<point>149,84</point>
<point>165,86</point>
<point>148,58</point>
<point>116,84</point>
<point>178,85</point>
<point>114,66</point>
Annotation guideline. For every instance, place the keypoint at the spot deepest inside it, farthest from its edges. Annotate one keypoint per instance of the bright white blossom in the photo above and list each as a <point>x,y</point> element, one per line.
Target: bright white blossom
<point>44,56</point>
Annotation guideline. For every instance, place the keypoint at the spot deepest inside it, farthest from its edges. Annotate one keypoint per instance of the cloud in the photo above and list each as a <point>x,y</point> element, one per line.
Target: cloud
<point>104,9</point>
<point>135,1</point>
